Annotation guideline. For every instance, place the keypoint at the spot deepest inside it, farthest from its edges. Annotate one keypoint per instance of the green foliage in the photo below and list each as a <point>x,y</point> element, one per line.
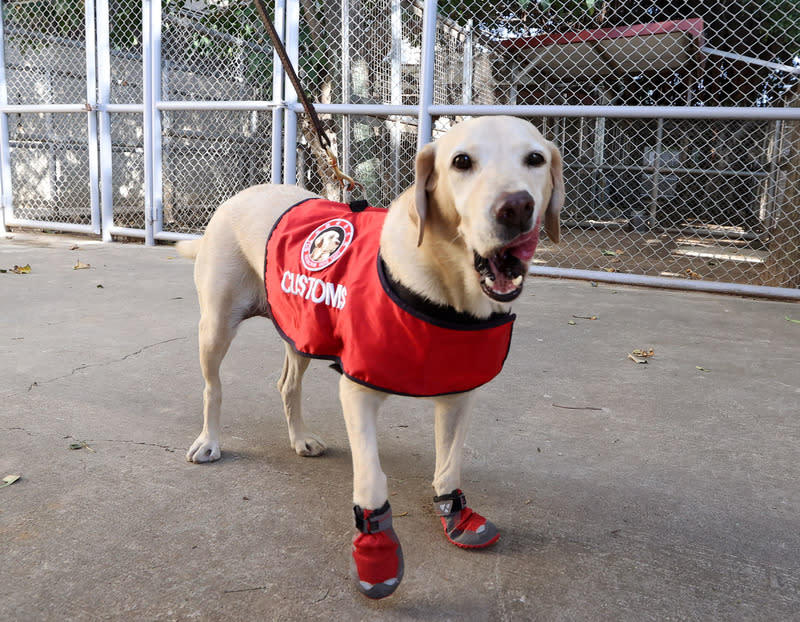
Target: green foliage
<point>781,22</point>
<point>62,18</point>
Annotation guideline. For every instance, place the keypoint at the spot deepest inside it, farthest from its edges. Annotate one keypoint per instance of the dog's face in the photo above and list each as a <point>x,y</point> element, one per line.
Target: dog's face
<point>325,245</point>
<point>494,179</point>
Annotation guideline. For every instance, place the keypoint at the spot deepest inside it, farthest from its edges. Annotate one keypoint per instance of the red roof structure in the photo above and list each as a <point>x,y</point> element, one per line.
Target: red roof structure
<point>638,49</point>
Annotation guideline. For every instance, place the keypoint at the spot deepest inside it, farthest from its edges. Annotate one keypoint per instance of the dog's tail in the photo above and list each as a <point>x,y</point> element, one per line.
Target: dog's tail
<point>189,248</point>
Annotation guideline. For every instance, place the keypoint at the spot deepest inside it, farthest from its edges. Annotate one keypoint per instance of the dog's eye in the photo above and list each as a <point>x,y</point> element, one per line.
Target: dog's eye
<point>534,158</point>
<point>462,162</point>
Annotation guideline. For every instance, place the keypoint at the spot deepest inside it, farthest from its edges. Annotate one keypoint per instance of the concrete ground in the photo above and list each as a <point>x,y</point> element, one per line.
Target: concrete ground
<point>624,491</point>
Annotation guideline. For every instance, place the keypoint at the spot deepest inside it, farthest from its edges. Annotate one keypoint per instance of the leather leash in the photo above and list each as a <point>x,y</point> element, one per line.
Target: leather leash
<point>347,182</point>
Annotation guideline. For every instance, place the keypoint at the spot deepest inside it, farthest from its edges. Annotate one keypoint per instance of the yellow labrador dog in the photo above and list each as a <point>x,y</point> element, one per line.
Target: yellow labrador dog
<point>452,252</point>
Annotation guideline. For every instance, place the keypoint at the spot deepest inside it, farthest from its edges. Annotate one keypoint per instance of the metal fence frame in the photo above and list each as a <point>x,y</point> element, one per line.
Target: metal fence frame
<point>285,108</point>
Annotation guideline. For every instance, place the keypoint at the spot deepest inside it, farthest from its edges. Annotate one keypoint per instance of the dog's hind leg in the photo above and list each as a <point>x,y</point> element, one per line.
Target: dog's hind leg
<point>290,385</point>
<point>228,293</point>
<point>215,336</point>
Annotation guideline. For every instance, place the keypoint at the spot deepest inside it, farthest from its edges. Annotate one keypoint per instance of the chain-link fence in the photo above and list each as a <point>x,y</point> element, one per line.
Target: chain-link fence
<point>677,121</point>
<point>46,153</point>
<point>216,53</point>
<point>689,198</point>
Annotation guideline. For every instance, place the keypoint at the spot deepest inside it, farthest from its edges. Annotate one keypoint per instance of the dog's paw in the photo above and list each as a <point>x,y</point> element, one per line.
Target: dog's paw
<point>309,445</point>
<point>203,449</point>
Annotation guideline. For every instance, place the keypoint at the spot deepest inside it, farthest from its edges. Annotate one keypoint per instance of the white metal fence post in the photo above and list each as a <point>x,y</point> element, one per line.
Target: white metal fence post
<point>104,119</point>
<point>468,70</point>
<point>147,117</point>
<point>347,94</point>
<point>6,196</point>
<point>396,88</point>
<point>292,43</point>
<point>155,76</point>
<point>278,78</point>
<point>91,115</point>
<point>427,62</point>
<point>151,79</point>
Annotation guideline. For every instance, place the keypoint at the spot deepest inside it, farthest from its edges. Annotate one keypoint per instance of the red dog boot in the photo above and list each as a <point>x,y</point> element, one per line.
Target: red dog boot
<point>462,526</point>
<point>377,566</point>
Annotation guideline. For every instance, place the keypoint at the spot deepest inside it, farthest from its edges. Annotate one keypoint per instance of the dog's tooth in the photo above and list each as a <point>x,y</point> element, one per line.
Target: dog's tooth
<point>517,281</point>
<point>489,279</point>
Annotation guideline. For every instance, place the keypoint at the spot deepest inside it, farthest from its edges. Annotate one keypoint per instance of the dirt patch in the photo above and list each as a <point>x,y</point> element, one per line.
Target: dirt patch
<point>672,255</point>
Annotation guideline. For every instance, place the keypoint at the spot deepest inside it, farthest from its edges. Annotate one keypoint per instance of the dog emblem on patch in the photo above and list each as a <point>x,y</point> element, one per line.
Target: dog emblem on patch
<point>326,244</point>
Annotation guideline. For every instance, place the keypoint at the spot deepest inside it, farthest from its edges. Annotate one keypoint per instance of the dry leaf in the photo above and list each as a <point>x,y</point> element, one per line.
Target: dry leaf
<point>637,359</point>
<point>10,479</point>
<point>702,368</point>
<point>26,269</point>
<point>81,266</point>
<point>81,445</point>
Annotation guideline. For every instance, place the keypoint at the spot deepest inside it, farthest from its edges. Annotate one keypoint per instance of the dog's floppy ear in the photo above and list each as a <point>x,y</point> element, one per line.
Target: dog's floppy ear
<point>425,180</point>
<point>552,218</point>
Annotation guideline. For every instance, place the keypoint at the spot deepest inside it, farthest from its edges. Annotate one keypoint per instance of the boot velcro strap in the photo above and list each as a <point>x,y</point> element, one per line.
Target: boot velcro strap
<point>376,521</point>
<point>444,505</point>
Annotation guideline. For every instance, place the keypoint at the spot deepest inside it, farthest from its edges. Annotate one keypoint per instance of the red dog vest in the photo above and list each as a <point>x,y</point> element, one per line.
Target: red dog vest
<point>330,298</point>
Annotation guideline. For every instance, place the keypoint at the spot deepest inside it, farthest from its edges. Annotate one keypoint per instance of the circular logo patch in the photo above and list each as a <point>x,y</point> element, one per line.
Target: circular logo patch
<point>326,244</point>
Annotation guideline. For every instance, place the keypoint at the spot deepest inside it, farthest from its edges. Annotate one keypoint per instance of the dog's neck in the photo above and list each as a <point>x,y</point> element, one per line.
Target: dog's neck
<point>439,270</point>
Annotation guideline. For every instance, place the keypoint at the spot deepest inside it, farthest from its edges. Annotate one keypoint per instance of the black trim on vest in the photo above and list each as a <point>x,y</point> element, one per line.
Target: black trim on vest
<point>431,312</point>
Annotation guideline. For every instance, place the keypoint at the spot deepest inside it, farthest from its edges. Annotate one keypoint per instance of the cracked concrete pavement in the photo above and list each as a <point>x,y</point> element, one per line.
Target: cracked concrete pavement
<point>623,491</point>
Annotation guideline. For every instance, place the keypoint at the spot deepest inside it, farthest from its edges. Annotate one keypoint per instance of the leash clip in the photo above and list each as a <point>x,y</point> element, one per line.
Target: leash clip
<point>348,183</point>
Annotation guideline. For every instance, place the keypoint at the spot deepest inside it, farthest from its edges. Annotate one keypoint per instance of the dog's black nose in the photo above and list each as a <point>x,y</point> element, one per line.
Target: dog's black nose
<point>515,211</point>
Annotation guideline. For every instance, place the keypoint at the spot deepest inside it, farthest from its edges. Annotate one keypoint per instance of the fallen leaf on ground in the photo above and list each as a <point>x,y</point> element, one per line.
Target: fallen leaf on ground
<point>645,352</point>
<point>81,266</point>
<point>699,368</point>
<point>637,359</point>
<point>81,445</point>
<point>788,319</point>
<point>10,479</point>
<point>572,322</point>
<point>609,253</point>
<point>26,269</point>
<point>585,317</point>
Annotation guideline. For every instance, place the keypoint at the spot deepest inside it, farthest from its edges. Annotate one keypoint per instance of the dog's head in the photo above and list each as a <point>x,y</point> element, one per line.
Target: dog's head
<point>494,179</point>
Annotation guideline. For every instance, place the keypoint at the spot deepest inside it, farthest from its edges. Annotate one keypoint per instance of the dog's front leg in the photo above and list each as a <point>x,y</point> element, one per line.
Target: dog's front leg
<point>377,562</point>
<point>360,405</point>
<point>452,415</point>
<point>462,526</point>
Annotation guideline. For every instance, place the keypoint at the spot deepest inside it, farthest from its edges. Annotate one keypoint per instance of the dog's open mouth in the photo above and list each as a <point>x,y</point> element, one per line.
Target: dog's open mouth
<point>503,271</point>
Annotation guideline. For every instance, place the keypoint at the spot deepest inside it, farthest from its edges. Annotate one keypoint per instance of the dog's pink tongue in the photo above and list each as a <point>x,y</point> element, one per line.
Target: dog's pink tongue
<point>525,246</point>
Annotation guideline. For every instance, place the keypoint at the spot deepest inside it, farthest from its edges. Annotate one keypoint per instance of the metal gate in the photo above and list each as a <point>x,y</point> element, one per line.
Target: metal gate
<point>120,119</point>
<point>48,131</point>
<point>679,125</point>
